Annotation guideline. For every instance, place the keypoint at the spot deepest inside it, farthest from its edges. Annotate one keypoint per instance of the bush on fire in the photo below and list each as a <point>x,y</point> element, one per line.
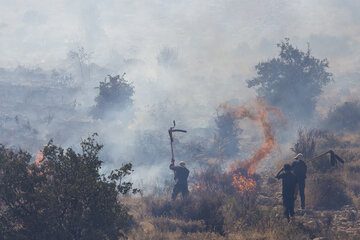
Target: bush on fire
<point>63,196</point>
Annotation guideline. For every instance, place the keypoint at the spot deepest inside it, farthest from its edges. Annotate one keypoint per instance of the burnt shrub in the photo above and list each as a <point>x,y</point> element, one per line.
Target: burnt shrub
<point>197,207</point>
<point>164,224</point>
<point>234,182</point>
<point>352,171</point>
<point>240,215</point>
<point>322,165</point>
<point>327,191</point>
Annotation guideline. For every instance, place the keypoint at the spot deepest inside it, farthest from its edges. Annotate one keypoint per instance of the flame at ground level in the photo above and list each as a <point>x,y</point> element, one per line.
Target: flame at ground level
<point>244,184</point>
<point>237,181</point>
<point>240,176</point>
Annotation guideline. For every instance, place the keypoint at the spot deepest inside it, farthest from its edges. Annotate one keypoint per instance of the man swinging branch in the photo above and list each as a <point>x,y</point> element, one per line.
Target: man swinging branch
<point>181,173</point>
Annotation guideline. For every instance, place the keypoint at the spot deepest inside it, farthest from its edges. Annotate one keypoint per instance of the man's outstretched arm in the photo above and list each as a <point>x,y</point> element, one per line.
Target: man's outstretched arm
<point>279,174</point>
<point>172,164</point>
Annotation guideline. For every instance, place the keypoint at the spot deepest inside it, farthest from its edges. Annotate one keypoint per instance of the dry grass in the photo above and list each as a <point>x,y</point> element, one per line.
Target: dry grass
<point>224,215</point>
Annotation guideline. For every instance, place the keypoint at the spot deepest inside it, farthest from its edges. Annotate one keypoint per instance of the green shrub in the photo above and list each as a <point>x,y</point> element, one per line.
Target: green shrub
<point>63,196</point>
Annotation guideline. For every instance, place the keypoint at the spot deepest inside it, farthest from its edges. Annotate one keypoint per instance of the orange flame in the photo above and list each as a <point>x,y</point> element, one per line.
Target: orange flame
<point>39,161</point>
<point>243,184</point>
<point>260,117</point>
<point>241,173</point>
<point>39,157</point>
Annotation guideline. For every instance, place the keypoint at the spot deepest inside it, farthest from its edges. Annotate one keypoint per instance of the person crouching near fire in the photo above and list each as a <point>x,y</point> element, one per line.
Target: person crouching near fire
<point>181,175</point>
<point>289,182</point>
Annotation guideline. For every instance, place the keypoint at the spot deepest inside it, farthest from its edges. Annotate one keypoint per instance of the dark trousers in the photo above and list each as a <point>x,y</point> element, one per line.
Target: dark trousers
<point>302,192</point>
<point>288,203</point>
<point>183,188</point>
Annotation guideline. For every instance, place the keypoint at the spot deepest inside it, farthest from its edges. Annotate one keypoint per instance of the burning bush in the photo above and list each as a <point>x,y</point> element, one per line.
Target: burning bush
<point>244,183</point>
<point>233,182</point>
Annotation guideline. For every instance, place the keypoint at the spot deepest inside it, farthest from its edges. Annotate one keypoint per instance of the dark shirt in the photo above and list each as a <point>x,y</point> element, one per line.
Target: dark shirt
<point>299,168</point>
<point>181,174</point>
<point>288,183</point>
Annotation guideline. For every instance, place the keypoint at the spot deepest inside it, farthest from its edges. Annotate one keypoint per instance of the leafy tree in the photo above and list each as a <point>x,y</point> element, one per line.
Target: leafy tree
<point>62,196</point>
<point>292,81</point>
<point>115,95</point>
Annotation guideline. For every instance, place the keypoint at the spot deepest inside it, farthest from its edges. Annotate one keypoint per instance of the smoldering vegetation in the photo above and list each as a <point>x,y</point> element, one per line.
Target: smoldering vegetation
<point>232,155</point>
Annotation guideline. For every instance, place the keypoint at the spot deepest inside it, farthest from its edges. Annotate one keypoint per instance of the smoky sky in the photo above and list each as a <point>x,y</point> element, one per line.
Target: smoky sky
<point>215,41</point>
<point>209,34</point>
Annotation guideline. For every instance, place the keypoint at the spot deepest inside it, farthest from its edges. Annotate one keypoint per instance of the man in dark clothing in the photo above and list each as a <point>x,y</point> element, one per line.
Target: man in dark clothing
<point>299,168</point>
<point>181,176</point>
<point>288,190</point>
